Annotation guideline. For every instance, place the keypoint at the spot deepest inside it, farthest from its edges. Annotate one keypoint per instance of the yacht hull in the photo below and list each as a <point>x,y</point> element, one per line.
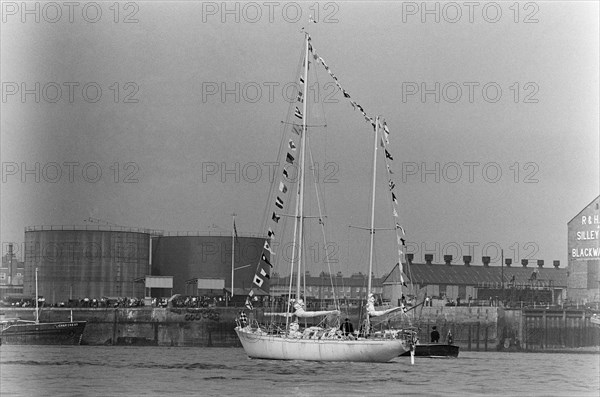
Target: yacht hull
<point>277,347</point>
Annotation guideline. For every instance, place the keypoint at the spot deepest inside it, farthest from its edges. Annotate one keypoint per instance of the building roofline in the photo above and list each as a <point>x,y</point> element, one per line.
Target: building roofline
<point>583,209</point>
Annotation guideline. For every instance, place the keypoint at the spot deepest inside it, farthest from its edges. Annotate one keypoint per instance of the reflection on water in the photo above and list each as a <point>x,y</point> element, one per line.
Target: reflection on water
<point>132,371</point>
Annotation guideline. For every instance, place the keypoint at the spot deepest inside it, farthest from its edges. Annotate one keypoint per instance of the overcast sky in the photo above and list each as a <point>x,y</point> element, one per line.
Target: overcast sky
<point>159,121</point>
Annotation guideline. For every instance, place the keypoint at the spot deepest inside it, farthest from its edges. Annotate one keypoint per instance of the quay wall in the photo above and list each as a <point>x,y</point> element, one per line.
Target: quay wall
<point>479,328</point>
<point>211,327</point>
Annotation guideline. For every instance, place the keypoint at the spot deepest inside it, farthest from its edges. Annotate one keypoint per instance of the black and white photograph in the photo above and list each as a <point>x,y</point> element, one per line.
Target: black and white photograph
<point>300,198</point>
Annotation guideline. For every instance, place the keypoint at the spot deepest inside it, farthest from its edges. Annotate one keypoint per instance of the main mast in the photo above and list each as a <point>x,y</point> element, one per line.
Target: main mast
<point>300,218</point>
<point>372,228</point>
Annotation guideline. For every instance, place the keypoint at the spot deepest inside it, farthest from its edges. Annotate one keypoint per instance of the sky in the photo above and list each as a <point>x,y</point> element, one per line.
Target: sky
<point>165,115</point>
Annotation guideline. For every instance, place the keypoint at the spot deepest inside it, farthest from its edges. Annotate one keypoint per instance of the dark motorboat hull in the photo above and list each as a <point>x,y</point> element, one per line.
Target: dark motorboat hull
<point>434,350</point>
<point>61,333</point>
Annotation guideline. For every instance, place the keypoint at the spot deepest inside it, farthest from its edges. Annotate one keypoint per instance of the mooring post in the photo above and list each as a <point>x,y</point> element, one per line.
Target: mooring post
<point>485,342</point>
<point>114,336</point>
<point>469,341</point>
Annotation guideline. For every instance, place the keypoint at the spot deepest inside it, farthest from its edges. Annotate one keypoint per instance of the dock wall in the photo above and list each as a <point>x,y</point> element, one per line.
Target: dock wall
<point>482,328</point>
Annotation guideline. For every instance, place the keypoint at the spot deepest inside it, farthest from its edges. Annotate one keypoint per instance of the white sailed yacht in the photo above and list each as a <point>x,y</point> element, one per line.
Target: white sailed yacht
<point>325,341</point>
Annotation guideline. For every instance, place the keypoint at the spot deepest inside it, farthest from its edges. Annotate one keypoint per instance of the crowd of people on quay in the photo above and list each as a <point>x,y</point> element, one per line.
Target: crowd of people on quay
<point>116,302</point>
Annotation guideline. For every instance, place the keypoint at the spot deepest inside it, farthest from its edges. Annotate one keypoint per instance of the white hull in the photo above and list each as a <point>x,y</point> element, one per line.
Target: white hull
<point>277,347</point>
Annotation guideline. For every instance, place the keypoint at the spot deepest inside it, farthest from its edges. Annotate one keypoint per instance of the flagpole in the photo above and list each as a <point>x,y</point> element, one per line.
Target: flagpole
<point>232,252</point>
<point>37,310</point>
<point>502,270</point>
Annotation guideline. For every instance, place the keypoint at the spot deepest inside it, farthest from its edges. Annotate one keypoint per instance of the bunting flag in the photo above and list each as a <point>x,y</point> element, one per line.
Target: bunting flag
<point>299,98</point>
<point>289,158</point>
<point>292,145</point>
<point>258,281</point>
<point>271,233</point>
<point>298,113</point>
<point>301,80</point>
<point>282,187</point>
<point>285,173</point>
<point>355,105</point>
<point>266,260</point>
<point>386,134</point>
<point>275,217</point>
<point>279,203</point>
<point>401,241</point>
<point>268,248</point>
<point>249,303</point>
<point>265,274</point>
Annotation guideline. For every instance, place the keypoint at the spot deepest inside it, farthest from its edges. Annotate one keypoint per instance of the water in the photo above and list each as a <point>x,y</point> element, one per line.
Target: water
<point>160,371</point>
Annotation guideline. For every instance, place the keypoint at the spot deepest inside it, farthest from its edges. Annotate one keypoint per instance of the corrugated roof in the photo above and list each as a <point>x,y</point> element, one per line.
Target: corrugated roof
<point>473,275</point>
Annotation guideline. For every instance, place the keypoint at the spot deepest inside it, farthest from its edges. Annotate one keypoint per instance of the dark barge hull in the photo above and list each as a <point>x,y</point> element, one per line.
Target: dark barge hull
<point>61,333</point>
<point>434,350</point>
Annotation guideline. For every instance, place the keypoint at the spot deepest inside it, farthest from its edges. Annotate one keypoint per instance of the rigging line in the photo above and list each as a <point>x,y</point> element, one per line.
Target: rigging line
<point>284,134</point>
<point>335,298</point>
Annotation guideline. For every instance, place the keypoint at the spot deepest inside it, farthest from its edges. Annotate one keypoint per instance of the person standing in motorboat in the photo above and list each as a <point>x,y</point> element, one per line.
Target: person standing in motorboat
<point>435,335</point>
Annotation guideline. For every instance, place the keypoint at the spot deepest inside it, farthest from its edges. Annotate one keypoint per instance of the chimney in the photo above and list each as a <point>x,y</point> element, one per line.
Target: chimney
<point>467,260</point>
<point>428,258</point>
<point>524,262</point>
<point>556,264</point>
<point>410,257</point>
<point>486,261</point>
<point>508,262</point>
<point>540,263</point>
<point>10,266</point>
<point>448,259</point>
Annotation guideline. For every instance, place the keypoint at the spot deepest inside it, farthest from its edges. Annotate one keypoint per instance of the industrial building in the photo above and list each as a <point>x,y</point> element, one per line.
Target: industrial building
<point>510,284</point>
<point>97,261</point>
<point>201,263</point>
<point>584,254</point>
<point>74,262</point>
<point>11,273</point>
<point>323,287</point>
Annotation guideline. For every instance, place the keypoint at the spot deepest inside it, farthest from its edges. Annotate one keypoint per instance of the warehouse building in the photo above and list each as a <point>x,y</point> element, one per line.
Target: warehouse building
<point>584,254</point>
<point>510,285</point>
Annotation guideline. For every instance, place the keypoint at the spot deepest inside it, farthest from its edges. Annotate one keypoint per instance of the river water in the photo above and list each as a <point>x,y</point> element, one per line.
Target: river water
<point>178,371</point>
